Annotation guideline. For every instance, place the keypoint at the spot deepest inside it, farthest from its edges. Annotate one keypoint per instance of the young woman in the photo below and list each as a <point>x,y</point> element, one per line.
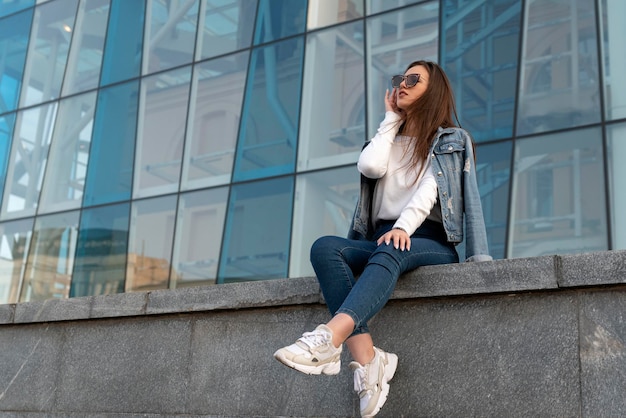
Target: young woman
<point>418,189</point>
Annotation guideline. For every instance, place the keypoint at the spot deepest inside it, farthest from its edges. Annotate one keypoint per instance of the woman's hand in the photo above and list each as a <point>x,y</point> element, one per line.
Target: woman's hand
<point>400,238</point>
<point>391,102</point>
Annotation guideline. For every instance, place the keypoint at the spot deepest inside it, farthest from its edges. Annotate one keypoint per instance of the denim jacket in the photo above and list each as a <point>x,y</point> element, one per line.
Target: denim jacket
<point>452,162</point>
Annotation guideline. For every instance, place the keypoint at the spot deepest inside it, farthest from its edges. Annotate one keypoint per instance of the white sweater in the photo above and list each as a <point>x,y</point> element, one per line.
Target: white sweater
<point>397,196</point>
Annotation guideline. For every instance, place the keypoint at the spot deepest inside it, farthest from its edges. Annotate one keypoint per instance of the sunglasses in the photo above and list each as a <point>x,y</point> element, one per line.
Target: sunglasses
<point>411,80</point>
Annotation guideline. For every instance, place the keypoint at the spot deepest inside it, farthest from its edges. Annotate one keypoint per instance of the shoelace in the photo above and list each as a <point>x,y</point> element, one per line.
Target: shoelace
<point>360,380</point>
<point>315,338</point>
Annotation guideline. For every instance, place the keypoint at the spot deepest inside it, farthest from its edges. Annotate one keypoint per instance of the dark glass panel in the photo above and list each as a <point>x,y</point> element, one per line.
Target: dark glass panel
<point>101,251</point>
<point>479,54</point>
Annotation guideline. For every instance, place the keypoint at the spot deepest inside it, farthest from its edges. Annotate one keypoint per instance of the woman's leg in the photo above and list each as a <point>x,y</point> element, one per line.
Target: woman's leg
<point>336,260</point>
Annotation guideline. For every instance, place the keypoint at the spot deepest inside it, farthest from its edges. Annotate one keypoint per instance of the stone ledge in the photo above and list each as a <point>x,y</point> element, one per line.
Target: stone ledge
<point>498,276</point>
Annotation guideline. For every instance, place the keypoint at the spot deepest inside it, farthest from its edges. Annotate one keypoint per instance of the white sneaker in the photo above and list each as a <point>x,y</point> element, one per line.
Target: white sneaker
<point>313,353</point>
<point>371,381</point>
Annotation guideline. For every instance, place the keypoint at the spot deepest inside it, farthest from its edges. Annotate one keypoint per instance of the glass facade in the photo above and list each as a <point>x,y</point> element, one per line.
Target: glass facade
<point>154,144</point>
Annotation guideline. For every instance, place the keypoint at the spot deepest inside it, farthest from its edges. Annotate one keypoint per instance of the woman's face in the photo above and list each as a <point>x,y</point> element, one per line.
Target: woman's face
<point>407,95</point>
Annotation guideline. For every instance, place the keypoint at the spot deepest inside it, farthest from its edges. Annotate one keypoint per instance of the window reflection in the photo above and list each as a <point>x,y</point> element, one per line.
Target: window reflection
<point>323,13</point>
<point>616,151</point>
<point>15,237</point>
<point>199,228</point>
<point>29,151</point>
<point>110,169</point>
<point>170,34</point>
<point>613,34</point>
<point>375,6</point>
<point>268,131</point>
<point>85,58</point>
<point>6,8</point>
<point>50,40</point>
<point>225,28</point>
<point>256,238</point>
<point>150,244</point>
<point>481,64</point>
<point>51,257</point>
<point>493,171</point>
<point>332,127</point>
<point>64,180</point>
<point>394,40</point>
<point>277,19</point>
<point>558,195</point>
<point>14,33</point>
<point>324,205</point>
<point>101,251</point>
<point>559,73</point>
<point>214,113</point>
<point>161,131</point>
<point>6,134</point>
<point>124,40</point>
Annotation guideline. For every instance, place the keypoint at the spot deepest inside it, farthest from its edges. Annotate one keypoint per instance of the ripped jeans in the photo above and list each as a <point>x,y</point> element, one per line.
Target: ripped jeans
<point>337,261</point>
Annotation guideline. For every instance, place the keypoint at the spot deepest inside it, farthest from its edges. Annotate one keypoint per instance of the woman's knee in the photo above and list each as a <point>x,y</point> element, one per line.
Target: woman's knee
<point>324,246</point>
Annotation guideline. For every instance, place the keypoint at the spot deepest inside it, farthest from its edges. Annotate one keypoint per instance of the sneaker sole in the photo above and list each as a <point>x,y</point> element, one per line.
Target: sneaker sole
<point>329,369</point>
<point>390,371</point>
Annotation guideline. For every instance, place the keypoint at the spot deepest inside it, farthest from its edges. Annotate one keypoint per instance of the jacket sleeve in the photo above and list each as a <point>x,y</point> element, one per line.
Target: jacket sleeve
<point>476,247</point>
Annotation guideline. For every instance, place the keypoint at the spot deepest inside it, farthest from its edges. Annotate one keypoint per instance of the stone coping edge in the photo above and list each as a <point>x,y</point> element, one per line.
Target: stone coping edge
<point>498,276</point>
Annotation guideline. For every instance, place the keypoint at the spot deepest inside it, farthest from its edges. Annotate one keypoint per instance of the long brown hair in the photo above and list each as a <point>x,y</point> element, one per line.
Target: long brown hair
<point>434,109</point>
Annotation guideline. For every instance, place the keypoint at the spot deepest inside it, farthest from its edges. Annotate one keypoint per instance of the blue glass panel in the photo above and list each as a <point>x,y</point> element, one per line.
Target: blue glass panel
<point>110,169</point>
<point>48,50</point>
<point>14,34</point>
<point>101,251</point>
<point>258,225</point>
<point>225,27</point>
<point>559,195</point>
<point>268,132</point>
<point>479,50</point>
<point>560,78</point>
<point>170,36</point>
<point>122,50</point>
<point>14,243</point>
<point>51,257</point>
<point>493,171</point>
<point>6,134</point>
<point>11,6</point>
<point>278,19</point>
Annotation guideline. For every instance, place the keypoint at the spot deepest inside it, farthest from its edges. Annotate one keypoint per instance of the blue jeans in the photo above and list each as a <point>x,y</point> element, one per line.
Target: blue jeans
<point>337,261</point>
